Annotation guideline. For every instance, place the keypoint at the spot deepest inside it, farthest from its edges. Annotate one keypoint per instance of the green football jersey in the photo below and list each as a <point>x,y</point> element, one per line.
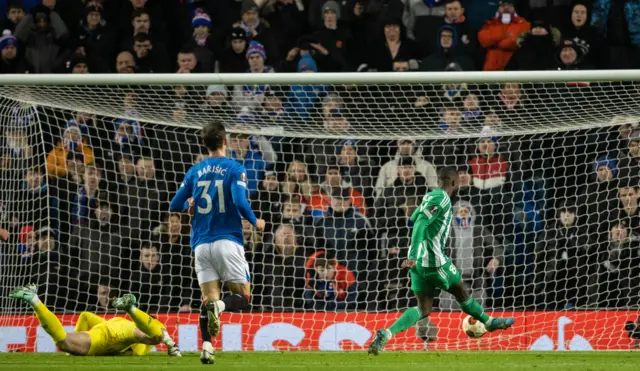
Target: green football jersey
<point>432,224</point>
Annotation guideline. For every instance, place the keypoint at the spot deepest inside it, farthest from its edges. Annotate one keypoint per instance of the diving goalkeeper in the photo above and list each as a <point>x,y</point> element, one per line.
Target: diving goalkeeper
<point>95,336</point>
<point>430,268</point>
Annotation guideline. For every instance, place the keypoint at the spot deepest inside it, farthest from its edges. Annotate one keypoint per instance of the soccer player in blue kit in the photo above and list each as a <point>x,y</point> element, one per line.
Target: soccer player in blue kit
<point>215,189</point>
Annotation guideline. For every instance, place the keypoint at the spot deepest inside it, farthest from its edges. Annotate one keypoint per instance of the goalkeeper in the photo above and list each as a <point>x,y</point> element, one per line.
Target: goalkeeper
<point>430,268</point>
<point>95,336</point>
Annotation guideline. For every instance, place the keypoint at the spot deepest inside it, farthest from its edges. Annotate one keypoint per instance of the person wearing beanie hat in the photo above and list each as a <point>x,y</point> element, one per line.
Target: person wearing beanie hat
<point>257,57</point>
<point>201,24</point>
<point>591,42</point>
<point>256,48</point>
<point>10,61</point>
<point>201,19</point>
<point>218,90</point>
<point>605,168</point>
<point>77,64</point>
<point>330,45</point>
<point>94,39</point>
<point>252,96</point>
<point>93,16</point>
<point>249,6</point>
<point>238,34</point>
<point>569,56</point>
<point>233,58</point>
<point>333,7</point>
<point>202,43</point>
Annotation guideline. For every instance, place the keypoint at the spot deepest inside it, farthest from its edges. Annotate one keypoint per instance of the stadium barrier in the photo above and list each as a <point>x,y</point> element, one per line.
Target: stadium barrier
<point>551,331</point>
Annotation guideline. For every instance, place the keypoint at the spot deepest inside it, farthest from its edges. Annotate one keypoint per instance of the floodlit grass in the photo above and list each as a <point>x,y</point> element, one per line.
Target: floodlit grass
<point>342,361</point>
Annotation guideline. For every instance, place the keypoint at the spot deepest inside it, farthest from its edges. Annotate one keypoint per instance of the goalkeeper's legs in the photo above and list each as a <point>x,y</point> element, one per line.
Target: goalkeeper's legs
<point>407,320</point>
<point>88,321</point>
<point>150,331</point>
<point>471,307</point>
<point>76,343</point>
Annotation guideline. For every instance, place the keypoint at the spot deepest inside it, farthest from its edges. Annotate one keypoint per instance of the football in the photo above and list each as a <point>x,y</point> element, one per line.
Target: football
<point>473,328</point>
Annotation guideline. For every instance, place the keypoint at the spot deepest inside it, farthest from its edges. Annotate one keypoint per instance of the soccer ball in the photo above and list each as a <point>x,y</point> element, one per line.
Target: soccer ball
<point>473,328</point>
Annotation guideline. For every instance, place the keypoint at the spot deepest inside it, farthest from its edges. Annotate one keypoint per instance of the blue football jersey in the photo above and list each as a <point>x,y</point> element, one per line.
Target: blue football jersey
<point>218,186</point>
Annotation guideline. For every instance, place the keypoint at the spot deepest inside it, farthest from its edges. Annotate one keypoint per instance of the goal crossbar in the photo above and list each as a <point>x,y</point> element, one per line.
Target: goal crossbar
<point>479,77</point>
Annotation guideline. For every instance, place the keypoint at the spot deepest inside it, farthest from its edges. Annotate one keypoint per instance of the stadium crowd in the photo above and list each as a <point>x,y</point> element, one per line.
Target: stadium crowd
<point>547,221</point>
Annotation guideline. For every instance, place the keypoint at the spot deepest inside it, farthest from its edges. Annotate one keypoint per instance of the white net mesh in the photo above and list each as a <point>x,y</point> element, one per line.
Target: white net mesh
<point>547,218</point>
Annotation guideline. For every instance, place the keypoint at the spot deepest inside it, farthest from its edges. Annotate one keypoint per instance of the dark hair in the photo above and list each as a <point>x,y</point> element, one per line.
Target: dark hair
<point>105,282</point>
<point>448,175</point>
<point>94,167</point>
<point>14,4</point>
<point>213,135</point>
<point>141,37</point>
<point>186,50</point>
<point>138,12</point>
<point>324,262</point>
<point>406,161</point>
<point>75,156</point>
<point>454,1</point>
<point>125,156</point>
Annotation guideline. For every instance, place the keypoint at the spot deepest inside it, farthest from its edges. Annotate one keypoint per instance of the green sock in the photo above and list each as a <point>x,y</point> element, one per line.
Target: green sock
<point>473,308</point>
<point>406,320</point>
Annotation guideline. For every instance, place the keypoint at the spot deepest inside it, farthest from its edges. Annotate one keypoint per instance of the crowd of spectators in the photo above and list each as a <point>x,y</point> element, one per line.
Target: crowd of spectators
<point>541,221</point>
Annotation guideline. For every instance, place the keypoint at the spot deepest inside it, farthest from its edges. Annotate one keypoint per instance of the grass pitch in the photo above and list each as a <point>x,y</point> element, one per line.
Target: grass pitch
<point>342,361</point>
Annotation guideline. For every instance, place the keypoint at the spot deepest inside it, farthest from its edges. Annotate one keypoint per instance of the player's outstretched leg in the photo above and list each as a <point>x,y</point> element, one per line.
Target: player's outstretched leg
<point>50,323</point>
<point>379,341</point>
<point>471,307</point>
<point>147,324</point>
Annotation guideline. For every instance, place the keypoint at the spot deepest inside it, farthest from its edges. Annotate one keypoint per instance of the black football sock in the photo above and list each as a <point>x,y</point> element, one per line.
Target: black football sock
<point>204,324</point>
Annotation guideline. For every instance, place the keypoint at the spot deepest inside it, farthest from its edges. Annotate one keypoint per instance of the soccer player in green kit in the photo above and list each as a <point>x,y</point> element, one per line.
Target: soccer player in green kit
<point>430,268</point>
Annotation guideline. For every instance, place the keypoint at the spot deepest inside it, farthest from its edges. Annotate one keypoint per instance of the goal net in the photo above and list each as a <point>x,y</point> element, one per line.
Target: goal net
<point>545,224</point>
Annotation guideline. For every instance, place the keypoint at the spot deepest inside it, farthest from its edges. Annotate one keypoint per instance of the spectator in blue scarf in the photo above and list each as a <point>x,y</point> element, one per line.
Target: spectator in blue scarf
<point>252,96</point>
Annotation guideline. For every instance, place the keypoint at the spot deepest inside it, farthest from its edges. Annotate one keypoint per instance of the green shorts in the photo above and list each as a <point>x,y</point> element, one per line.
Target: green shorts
<point>425,280</point>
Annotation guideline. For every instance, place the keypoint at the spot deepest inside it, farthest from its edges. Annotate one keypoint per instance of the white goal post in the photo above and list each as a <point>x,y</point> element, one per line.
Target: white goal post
<point>546,222</point>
